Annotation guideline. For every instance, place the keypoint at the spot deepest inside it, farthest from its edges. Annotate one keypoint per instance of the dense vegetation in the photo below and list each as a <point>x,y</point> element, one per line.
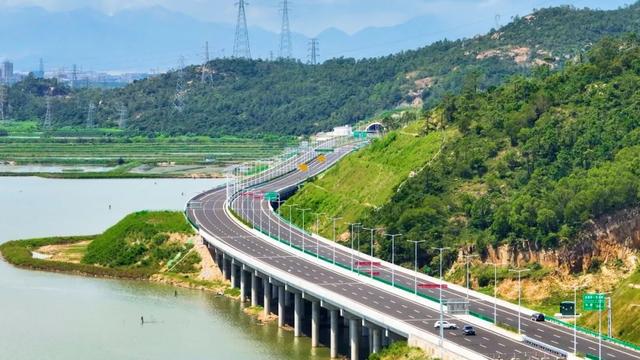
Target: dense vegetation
<point>286,97</point>
<point>537,158</point>
<point>18,253</point>
<point>140,240</point>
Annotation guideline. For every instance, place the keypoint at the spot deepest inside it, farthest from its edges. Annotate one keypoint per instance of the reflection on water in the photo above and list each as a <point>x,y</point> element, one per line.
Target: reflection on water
<point>57,316</point>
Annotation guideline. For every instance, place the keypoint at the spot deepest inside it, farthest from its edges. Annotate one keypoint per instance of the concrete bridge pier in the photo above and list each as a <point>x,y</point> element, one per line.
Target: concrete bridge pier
<point>333,318</point>
<point>354,338</point>
<point>233,270</point>
<point>267,296</point>
<point>254,289</point>
<point>243,285</point>
<point>225,273</point>
<point>375,340</point>
<point>297,314</point>
<point>315,323</point>
<point>281,305</point>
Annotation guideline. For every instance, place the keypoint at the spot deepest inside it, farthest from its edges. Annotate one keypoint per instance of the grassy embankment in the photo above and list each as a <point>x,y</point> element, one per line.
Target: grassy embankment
<point>366,179</point>
<point>139,246</point>
<point>399,350</point>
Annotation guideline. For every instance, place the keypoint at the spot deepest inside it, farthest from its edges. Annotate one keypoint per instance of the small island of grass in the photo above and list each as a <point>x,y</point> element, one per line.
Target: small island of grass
<point>159,246</point>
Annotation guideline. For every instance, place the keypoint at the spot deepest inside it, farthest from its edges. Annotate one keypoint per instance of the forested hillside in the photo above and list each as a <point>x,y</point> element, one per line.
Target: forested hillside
<point>291,98</point>
<point>535,160</point>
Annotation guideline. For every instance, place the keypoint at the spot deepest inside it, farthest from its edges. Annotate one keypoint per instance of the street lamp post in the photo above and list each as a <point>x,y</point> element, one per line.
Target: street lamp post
<point>393,257</point>
<point>441,250</point>
<point>575,317</point>
<point>519,271</point>
<point>279,222</point>
<point>351,234</point>
<point>291,206</point>
<point>495,293</point>
<point>318,231</point>
<point>372,230</point>
<point>467,258</point>
<point>334,238</point>
<point>303,228</point>
<point>415,264</point>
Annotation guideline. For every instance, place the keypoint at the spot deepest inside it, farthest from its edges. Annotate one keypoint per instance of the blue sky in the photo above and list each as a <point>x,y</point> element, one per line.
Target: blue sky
<point>309,17</point>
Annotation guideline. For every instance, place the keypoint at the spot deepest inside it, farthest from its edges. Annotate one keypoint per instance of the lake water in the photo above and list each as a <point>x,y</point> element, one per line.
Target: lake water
<point>57,316</point>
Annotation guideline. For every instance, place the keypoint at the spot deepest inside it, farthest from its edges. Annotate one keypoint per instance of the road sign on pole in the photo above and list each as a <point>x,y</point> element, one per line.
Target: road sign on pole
<point>303,167</point>
<point>271,196</point>
<point>593,302</point>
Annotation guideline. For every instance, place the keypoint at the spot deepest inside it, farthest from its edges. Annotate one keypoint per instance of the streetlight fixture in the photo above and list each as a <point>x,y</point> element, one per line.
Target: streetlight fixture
<point>468,278</point>
<point>495,292</point>
<point>318,231</point>
<point>334,238</point>
<point>393,257</point>
<point>278,216</point>
<point>519,271</point>
<point>415,264</point>
<point>291,206</point>
<point>303,229</point>
<point>441,250</point>
<point>372,230</point>
<point>352,225</point>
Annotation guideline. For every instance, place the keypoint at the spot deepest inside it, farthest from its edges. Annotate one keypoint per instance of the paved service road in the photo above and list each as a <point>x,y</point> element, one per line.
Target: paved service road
<point>210,216</point>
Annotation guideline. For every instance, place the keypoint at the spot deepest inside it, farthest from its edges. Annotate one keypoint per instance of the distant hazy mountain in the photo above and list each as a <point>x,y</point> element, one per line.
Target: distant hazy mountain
<point>151,38</point>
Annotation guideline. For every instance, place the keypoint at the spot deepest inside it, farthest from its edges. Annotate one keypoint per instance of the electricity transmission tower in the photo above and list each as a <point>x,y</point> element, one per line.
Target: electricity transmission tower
<point>285,33</point>
<point>74,76</point>
<point>314,51</point>
<point>47,117</point>
<point>206,73</point>
<point>90,112</point>
<point>122,111</point>
<point>241,48</point>
<point>2,96</point>
<point>178,100</point>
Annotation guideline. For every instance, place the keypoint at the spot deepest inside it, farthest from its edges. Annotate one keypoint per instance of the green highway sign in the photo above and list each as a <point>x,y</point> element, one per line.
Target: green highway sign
<point>271,196</point>
<point>593,302</point>
<point>360,134</point>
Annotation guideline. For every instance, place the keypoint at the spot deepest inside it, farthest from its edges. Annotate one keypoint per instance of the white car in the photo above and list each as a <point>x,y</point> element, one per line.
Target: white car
<point>445,325</point>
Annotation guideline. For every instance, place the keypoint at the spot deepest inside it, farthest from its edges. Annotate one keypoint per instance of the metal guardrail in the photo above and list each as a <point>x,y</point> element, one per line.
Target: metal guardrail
<point>562,354</point>
<point>593,333</point>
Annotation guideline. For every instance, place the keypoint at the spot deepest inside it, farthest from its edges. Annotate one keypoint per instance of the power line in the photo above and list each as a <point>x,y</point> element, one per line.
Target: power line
<point>241,47</point>
<point>285,33</point>
<point>178,100</point>
<point>314,51</point>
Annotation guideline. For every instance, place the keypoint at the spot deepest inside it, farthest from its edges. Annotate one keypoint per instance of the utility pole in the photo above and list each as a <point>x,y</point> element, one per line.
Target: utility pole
<point>285,33</point>
<point>241,47</point>
<point>610,316</point>
<point>122,111</point>
<point>206,73</point>
<point>47,117</point>
<point>90,124</point>
<point>178,100</point>
<point>314,51</point>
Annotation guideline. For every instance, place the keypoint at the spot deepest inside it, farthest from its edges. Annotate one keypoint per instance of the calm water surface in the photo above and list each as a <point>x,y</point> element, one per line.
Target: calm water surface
<point>55,316</point>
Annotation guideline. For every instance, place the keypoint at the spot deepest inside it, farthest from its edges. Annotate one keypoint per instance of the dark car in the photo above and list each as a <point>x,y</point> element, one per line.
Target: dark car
<point>537,317</point>
<point>468,330</point>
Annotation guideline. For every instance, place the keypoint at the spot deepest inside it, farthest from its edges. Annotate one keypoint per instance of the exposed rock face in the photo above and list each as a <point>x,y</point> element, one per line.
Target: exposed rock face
<point>609,238</point>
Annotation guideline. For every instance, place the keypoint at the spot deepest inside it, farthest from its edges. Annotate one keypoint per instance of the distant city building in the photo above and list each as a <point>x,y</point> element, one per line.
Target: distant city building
<point>7,71</point>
